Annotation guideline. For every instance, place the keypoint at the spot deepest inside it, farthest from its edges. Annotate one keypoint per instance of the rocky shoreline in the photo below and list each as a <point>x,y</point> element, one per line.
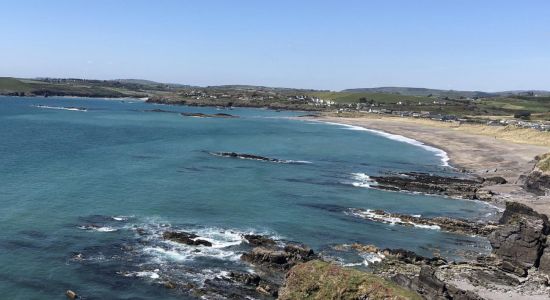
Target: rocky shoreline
<point>518,267</point>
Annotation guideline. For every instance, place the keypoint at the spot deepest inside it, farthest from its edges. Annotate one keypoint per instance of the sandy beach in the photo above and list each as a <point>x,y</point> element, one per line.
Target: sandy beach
<point>482,151</point>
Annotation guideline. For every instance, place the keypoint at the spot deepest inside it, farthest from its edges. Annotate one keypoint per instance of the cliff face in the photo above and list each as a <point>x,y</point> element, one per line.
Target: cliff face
<point>538,181</point>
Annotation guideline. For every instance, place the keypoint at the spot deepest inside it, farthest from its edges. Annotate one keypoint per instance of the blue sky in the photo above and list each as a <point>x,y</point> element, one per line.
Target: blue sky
<point>473,45</point>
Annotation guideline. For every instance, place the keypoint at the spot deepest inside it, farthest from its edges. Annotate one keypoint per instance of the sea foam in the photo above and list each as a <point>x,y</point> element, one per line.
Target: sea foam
<point>438,152</point>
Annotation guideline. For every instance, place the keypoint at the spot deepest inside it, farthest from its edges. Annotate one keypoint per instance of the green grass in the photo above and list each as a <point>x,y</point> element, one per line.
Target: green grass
<point>9,85</point>
<point>316,280</point>
<point>346,97</point>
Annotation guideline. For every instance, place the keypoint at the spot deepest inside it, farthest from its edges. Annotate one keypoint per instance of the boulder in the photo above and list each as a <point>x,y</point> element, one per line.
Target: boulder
<point>520,239</point>
<point>277,258</point>
<point>259,240</point>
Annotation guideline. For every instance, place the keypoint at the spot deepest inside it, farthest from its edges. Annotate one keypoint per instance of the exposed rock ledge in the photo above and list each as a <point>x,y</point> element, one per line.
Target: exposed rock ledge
<point>441,223</point>
<point>439,185</point>
<point>201,115</point>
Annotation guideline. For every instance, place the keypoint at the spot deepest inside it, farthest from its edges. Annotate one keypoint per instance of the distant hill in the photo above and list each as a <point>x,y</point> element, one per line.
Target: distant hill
<point>413,91</point>
<point>151,83</point>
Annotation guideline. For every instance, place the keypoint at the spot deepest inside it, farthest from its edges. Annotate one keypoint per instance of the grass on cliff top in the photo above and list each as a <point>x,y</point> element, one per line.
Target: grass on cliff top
<point>544,162</point>
<point>316,280</point>
<point>8,84</point>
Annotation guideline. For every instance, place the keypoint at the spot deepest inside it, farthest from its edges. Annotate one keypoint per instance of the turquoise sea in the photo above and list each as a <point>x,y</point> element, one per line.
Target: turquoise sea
<point>86,194</point>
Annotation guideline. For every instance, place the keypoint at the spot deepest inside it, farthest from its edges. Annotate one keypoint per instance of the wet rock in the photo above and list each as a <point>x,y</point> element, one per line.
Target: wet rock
<point>245,278</point>
<point>169,285</point>
<point>259,240</point>
<point>442,223</point>
<point>365,248</point>
<point>201,115</point>
<point>279,258</point>
<point>71,295</point>
<point>429,184</point>
<point>185,238</point>
<point>245,156</point>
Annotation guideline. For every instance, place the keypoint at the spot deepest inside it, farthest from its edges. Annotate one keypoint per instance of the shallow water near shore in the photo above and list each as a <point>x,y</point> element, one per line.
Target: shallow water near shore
<point>88,186</point>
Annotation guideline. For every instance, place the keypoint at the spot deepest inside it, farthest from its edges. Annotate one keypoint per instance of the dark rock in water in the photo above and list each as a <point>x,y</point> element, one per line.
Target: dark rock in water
<point>259,240</point>
<point>443,223</point>
<point>429,184</point>
<point>246,278</point>
<point>185,238</point>
<point>245,156</point>
<point>279,258</point>
<point>160,110</point>
<point>520,240</point>
<point>201,115</point>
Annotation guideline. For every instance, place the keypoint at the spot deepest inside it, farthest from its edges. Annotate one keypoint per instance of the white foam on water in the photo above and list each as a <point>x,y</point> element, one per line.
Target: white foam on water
<point>61,108</point>
<point>121,218</point>
<point>98,228</point>
<point>363,180</point>
<point>371,215</point>
<point>438,152</point>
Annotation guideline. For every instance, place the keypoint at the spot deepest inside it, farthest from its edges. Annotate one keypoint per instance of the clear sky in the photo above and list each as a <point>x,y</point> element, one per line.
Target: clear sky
<point>472,45</point>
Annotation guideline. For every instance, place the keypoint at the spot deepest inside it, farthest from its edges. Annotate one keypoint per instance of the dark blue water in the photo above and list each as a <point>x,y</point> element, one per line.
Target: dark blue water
<point>63,170</point>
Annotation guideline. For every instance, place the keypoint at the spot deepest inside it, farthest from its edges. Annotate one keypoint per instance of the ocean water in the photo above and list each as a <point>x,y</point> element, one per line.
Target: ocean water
<point>86,194</point>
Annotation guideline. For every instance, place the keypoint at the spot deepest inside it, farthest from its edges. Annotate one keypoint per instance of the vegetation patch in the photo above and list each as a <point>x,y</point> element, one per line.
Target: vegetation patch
<point>322,280</point>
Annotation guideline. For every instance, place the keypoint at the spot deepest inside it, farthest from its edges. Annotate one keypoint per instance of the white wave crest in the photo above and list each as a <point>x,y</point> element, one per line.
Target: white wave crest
<point>61,108</point>
<point>372,215</point>
<point>438,152</point>
<point>362,180</point>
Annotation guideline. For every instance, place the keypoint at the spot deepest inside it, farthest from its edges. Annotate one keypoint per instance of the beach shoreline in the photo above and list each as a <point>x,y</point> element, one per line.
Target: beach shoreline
<point>478,154</point>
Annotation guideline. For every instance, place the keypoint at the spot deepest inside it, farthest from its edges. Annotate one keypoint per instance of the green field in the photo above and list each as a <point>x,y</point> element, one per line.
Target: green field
<point>348,97</point>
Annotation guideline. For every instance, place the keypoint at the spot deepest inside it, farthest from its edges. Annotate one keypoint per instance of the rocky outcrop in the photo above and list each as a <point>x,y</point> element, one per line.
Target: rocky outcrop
<point>246,156</point>
<point>322,280</point>
<point>439,223</point>
<point>429,184</point>
<point>259,240</point>
<point>277,258</point>
<point>185,238</point>
<point>536,182</point>
<point>201,115</point>
<point>521,238</point>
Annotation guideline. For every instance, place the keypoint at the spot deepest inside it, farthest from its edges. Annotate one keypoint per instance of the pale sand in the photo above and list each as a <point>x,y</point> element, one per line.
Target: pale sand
<point>483,150</point>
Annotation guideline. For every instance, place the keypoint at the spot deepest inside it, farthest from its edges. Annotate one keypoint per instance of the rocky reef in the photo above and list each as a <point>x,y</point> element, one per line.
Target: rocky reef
<point>201,115</point>
<point>467,188</point>
<point>461,226</point>
<point>517,267</point>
